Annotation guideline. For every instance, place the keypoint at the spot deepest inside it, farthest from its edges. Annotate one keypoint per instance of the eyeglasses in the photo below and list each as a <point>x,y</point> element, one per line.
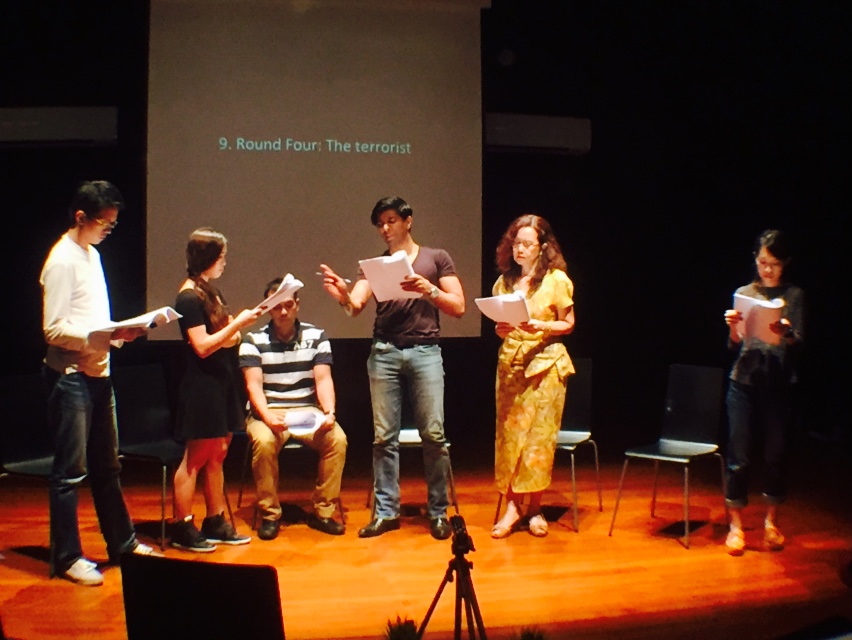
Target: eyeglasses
<point>769,264</point>
<point>526,244</point>
<point>105,223</point>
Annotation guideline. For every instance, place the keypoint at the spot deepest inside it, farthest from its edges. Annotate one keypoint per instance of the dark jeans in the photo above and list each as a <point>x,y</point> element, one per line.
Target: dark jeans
<point>757,415</point>
<point>81,410</point>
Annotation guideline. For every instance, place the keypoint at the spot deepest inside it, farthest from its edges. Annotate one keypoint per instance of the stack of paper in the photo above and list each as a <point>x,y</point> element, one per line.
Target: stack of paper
<point>385,275</point>
<point>303,422</point>
<point>289,285</point>
<point>757,316</point>
<point>508,307</point>
<point>150,320</point>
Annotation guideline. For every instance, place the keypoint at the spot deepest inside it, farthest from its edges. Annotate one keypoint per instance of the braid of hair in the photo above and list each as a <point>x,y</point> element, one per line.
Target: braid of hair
<point>214,304</point>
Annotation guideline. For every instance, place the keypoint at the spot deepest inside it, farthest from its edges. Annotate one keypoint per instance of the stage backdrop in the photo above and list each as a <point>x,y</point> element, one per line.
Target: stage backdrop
<point>281,123</point>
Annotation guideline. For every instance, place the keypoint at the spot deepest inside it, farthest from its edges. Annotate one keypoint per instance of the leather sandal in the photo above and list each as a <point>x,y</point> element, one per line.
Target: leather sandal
<point>503,530</point>
<point>773,539</point>
<point>538,526</point>
<point>735,542</point>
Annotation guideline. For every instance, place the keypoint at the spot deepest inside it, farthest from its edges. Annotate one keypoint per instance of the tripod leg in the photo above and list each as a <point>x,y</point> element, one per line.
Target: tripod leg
<point>448,577</point>
<point>465,584</point>
<point>457,617</point>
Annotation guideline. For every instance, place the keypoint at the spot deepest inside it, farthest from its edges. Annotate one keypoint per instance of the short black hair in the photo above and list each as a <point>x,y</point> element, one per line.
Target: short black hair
<point>777,243</point>
<point>273,284</point>
<point>92,197</point>
<point>394,203</point>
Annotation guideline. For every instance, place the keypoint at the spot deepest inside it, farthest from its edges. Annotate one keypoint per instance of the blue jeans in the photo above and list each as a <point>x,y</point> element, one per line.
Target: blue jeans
<point>757,414</point>
<point>81,411</point>
<point>420,369</point>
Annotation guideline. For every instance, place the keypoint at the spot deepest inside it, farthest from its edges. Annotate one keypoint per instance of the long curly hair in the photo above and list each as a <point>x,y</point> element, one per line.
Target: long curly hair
<point>550,254</point>
<point>203,249</point>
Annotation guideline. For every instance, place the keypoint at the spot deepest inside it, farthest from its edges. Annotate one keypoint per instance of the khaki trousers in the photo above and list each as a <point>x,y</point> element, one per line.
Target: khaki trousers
<point>330,444</point>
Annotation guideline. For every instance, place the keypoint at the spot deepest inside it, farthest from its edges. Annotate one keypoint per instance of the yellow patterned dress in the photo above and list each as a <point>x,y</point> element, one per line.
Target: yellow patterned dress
<point>532,371</point>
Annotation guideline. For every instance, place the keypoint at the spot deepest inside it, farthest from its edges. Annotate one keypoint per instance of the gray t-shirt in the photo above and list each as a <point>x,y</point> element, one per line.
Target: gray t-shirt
<point>414,321</point>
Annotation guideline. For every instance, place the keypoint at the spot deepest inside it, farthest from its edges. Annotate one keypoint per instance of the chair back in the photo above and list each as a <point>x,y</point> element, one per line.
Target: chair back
<point>693,408</point>
<point>25,434</point>
<point>173,598</point>
<point>142,404</point>
<point>577,415</point>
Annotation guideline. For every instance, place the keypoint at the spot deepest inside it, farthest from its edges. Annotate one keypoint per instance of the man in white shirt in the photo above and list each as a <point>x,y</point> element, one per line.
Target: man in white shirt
<point>81,402</point>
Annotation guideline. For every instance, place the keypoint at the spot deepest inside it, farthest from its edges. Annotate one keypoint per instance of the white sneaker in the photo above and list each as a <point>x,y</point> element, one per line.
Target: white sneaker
<point>84,572</point>
<point>145,550</point>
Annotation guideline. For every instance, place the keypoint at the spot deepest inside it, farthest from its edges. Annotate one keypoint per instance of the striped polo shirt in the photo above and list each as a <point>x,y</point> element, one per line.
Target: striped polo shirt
<point>288,367</point>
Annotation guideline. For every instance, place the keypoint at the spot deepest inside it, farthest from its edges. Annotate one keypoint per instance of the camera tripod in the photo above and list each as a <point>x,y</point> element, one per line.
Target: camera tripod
<point>459,566</point>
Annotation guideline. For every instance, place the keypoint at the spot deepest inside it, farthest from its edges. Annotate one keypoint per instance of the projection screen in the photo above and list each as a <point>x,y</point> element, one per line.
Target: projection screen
<point>281,123</point>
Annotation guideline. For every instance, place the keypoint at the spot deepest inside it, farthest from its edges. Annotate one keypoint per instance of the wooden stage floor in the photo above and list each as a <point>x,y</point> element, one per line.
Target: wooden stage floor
<point>639,583</point>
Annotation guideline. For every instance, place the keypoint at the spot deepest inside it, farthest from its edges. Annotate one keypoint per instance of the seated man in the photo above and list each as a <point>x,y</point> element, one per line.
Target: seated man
<point>287,367</point>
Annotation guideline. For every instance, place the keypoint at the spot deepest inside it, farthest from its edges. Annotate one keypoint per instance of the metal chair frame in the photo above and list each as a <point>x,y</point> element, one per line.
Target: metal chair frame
<point>691,422</point>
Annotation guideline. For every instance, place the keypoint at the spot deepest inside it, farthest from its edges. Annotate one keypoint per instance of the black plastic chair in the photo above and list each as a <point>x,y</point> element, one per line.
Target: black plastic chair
<point>690,430</point>
<point>175,598</point>
<point>26,444</point>
<point>145,423</point>
<point>26,441</point>
<point>576,429</point>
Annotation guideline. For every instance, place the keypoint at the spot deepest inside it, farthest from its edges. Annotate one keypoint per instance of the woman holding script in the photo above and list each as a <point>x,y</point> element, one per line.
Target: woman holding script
<point>211,397</point>
<point>760,390</point>
<point>532,369</point>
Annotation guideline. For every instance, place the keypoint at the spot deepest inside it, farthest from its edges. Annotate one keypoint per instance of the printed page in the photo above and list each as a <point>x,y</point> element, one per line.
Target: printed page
<point>508,307</point>
<point>385,275</point>
<point>289,285</point>
<point>150,320</point>
<point>757,316</point>
<point>303,422</point>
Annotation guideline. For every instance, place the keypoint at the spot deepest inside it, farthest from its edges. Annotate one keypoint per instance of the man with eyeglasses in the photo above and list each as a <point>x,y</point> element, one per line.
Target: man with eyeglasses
<point>81,401</point>
<point>287,368</point>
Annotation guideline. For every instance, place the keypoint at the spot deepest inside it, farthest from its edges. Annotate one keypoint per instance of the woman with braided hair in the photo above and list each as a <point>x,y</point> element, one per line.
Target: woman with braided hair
<point>211,397</point>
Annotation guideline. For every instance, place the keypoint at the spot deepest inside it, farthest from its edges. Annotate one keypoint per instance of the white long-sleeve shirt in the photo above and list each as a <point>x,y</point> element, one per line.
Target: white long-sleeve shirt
<point>75,301</point>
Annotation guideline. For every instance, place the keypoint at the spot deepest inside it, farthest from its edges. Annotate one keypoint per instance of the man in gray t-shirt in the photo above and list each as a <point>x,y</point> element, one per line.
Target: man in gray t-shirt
<point>405,355</point>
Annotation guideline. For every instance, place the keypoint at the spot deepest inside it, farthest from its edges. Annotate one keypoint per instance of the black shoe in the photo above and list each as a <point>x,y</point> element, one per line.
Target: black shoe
<point>185,535</point>
<point>440,528</point>
<point>219,531</point>
<point>327,525</point>
<point>268,529</point>
<point>379,526</point>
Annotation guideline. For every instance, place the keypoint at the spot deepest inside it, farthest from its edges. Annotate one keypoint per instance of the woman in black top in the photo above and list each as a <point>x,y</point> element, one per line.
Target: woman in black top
<point>759,397</point>
<point>211,399</point>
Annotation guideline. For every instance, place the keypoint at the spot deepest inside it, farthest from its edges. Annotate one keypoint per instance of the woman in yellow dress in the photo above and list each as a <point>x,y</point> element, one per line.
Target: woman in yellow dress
<point>532,369</point>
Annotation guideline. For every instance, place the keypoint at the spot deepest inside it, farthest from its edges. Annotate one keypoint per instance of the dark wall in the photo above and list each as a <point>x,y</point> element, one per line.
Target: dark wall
<point>711,122</point>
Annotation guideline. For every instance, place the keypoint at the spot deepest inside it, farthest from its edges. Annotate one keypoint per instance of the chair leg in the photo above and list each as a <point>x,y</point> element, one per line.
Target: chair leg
<point>654,495</point>
<point>574,494</point>
<point>165,471</point>
<point>724,489</point>
<point>499,504</point>
<point>597,475</point>
<point>230,512</point>
<point>618,497</point>
<point>342,511</point>
<point>246,465</point>
<point>453,499</point>
<point>686,505</point>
